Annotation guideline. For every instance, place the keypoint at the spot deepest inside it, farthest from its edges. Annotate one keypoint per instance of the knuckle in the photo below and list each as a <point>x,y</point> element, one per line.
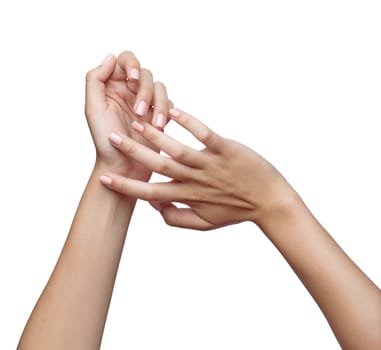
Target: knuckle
<point>207,136</point>
<point>129,148</point>
<point>185,119</point>
<point>191,195</point>
<point>147,73</point>
<point>90,75</point>
<point>169,220</point>
<point>161,108</point>
<point>149,192</point>
<point>145,93</point>
<point>163,166</point>
<point>159,85</point>
<point>179,154</point>
<point>128,53</point>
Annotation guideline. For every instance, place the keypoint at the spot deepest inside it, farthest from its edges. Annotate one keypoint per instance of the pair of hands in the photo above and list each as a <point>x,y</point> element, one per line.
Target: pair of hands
<point>224,183</point>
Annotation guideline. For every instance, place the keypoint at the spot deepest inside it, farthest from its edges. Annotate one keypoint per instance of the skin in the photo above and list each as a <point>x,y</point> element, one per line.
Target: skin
<point>72,309</point>
<point>227,183</point>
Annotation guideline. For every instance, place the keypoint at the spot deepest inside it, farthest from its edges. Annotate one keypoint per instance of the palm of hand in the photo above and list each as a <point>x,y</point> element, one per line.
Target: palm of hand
<point>116,115</point>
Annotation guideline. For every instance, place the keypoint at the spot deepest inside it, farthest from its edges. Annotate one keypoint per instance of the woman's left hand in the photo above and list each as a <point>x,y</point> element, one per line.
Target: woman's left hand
<point>117,93</point>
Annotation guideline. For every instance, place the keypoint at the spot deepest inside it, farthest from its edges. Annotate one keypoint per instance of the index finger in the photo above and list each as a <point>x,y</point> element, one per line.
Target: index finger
<point>199,130</point>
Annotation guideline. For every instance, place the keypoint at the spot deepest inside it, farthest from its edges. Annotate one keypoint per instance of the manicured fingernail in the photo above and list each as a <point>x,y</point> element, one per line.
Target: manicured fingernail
<point>160,120</point>
<point>141,108</point>
<point>174,112</point>
<point>115,138</point>
<point>106,180</point>
<point>137,126</point>
<point>134,74</point>
<point>107,58</point>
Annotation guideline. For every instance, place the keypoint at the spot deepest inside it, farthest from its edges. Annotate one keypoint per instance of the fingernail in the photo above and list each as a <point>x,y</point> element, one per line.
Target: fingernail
<point>174,112</point>
<point>141,108</point>
<point>115,138</point>
<point>109,56</point>
<point>106,180</point>
<point>135,74</point>
<point>137,126</point>
<point>160,121</point>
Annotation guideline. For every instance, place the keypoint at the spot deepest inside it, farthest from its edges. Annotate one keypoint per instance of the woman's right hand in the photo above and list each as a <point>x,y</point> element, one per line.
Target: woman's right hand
<point>225,183</point>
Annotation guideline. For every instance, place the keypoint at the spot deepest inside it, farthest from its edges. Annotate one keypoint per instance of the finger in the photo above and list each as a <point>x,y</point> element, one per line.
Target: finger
<point>133,86</point>
<point>149,158</point>
<point>170,105</point>
<point>199,130</point>
<point>160,102</point>
<point>130,64</point>
<point>145,93</point>
<point>159,206</point>
<point>181,217</point>
<point>158,192</point>
<point>95,84</point>
<point>175,149</point>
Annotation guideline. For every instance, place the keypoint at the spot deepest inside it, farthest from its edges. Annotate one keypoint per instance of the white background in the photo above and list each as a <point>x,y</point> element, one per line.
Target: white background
<point>299,81</point>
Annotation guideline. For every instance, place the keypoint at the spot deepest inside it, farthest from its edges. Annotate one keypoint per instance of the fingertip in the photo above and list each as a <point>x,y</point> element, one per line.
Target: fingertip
<point>115,138</point>
<point>160,121</point>
<point>134,74</point>
<point>106,180</point>
<point>174,112</point>
<point>141,108</point>
<point>108,59</point>
<point>137,126</point>
<point>101,73</point>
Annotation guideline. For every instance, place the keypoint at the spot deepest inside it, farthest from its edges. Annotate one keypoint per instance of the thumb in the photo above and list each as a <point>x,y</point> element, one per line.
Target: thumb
<point>95,84</point>
<point>181,217</point>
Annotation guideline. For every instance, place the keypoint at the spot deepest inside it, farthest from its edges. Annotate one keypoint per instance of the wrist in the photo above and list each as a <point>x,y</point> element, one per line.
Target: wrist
<point>112,166</point>
<point>132,170</point>
<point>101,169</point>
<point>279,209</point>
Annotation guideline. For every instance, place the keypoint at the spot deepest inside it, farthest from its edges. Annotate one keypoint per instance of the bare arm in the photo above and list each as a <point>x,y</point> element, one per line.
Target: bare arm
<point>228,183</point>
<point>71,311</point>
<point>350,301</point>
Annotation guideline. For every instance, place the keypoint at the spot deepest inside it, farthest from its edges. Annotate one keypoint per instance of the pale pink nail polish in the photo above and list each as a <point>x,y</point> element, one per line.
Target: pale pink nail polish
<point>174,112</point>
<point>109,56</point>
<point>137,126</point>
<point>106,180</point>
<point>141,108</point>
<point>160,121</point>
<point>115,138</point>
<point>135,74</point>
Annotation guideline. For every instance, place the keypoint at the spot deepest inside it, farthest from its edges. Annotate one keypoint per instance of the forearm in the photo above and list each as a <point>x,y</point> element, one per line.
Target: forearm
<point>348,298</point>
<point>72,310</point>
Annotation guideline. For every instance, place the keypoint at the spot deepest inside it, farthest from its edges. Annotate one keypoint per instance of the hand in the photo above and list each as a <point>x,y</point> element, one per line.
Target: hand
<point>223,184</point>
<point>117,93</point>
